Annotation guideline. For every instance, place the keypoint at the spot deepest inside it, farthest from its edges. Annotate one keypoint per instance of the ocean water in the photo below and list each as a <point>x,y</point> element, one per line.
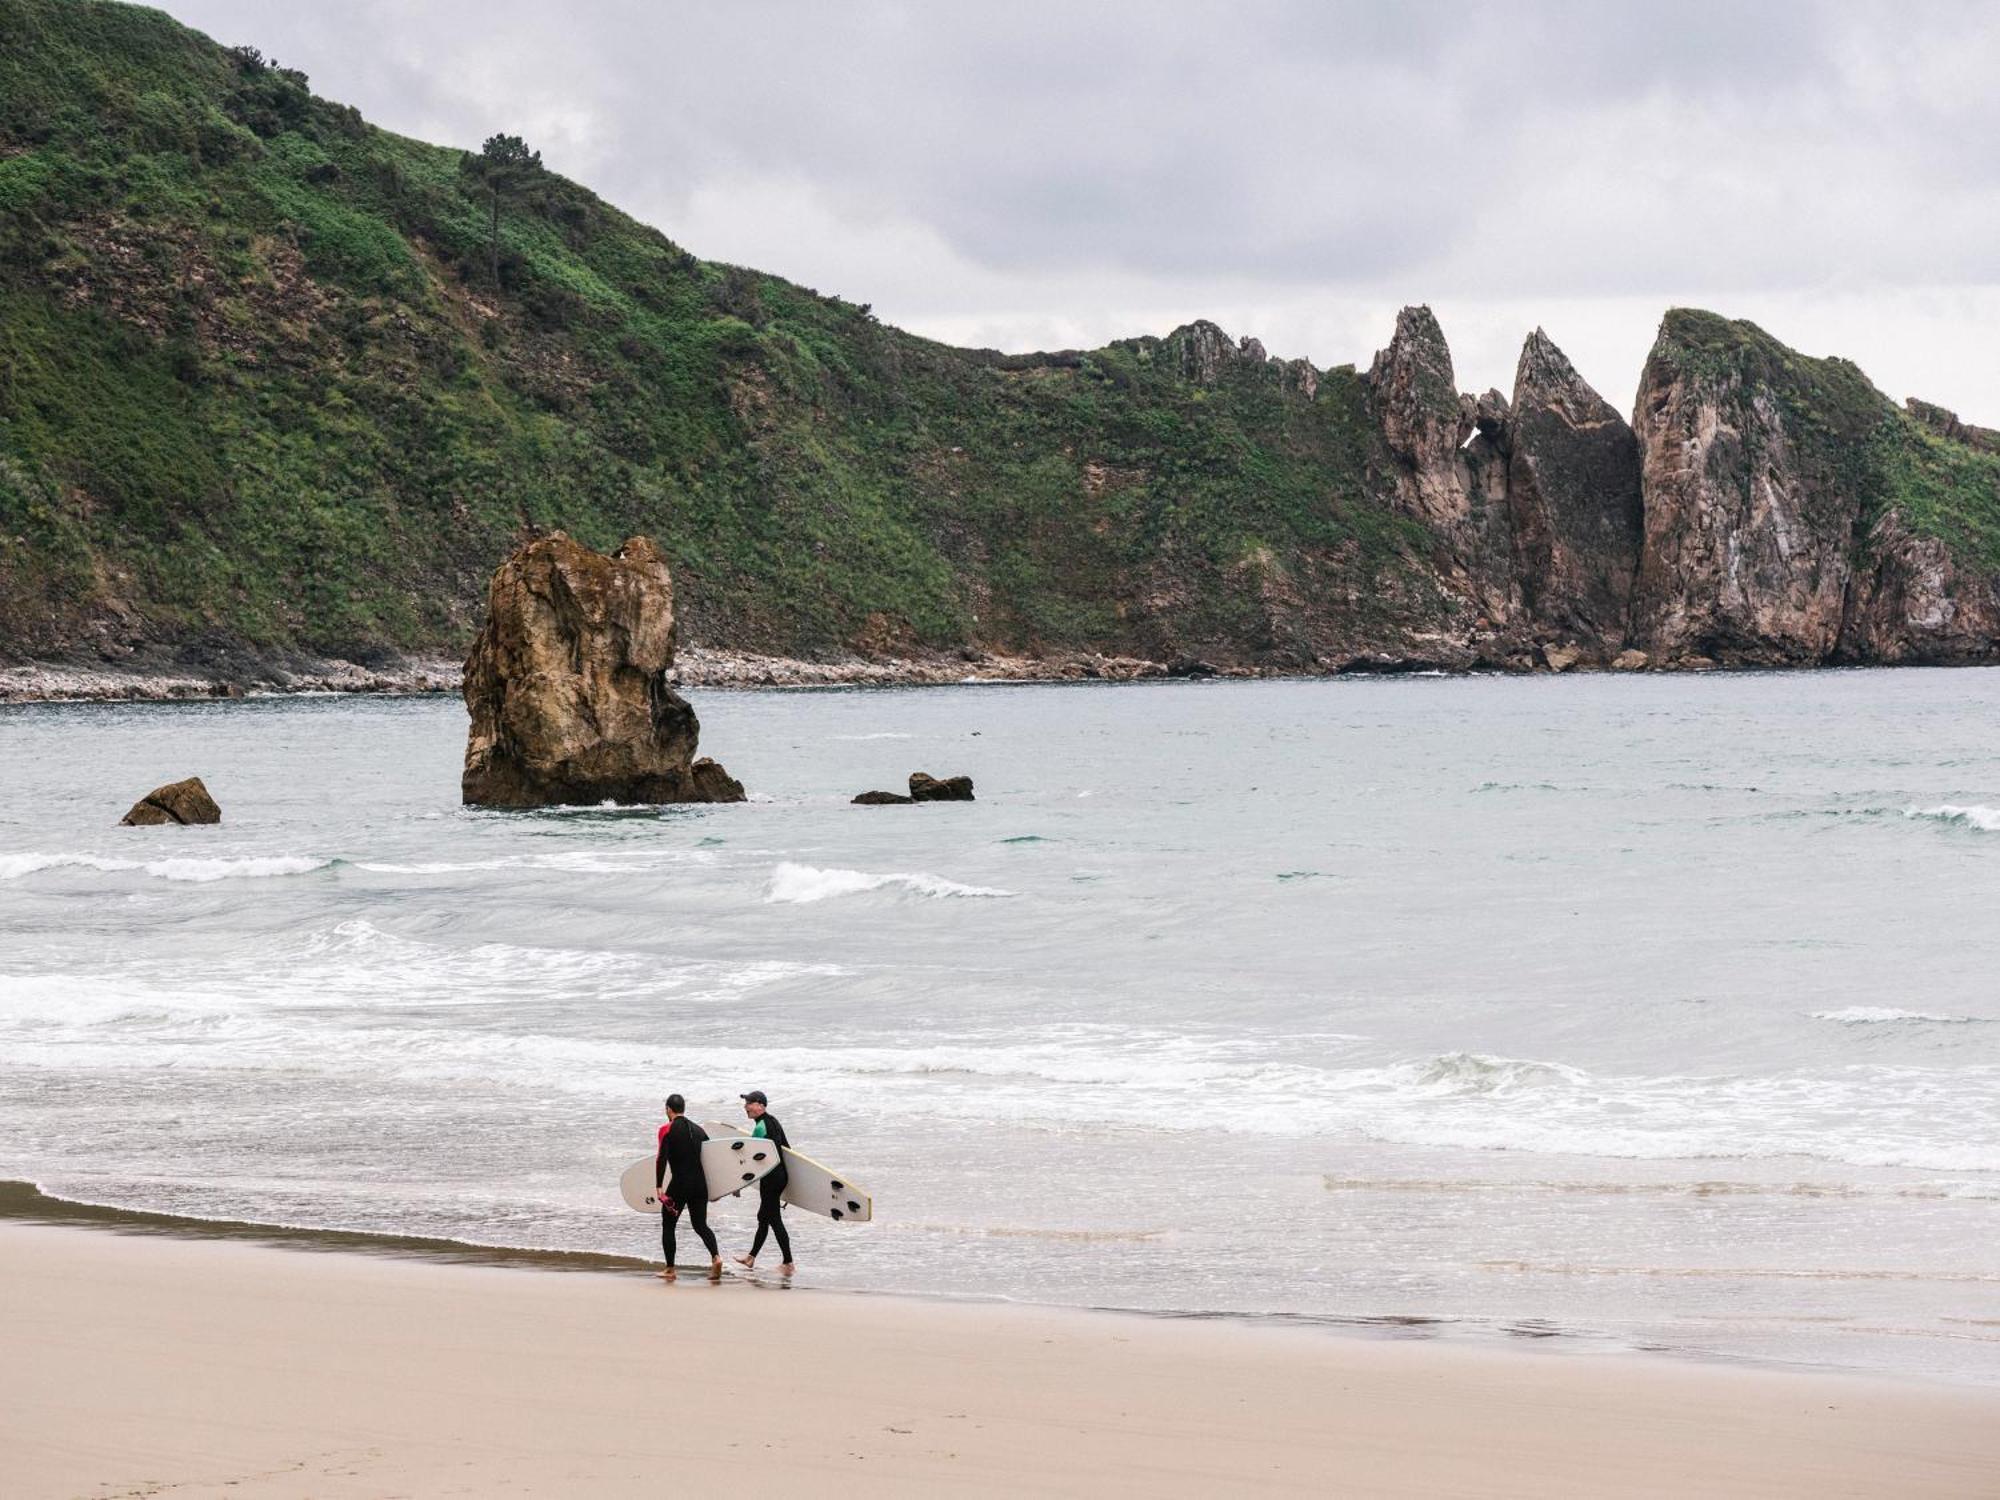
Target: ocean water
<point>1635,1011</point>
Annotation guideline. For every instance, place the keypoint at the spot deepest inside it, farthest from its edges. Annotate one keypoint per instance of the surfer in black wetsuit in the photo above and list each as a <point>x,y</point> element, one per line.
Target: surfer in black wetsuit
<point>771,1187</point>
<point>682,1185</point>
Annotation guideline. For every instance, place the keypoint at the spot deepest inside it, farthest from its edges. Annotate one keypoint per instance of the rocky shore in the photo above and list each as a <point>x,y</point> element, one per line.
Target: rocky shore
<point>705,667</point>
<point>56,682</point>
<point>69,682</point>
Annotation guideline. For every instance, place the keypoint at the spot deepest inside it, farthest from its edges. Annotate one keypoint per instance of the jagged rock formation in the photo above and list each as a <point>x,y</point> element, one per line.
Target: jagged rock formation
<point>1456,491</point>
<point>1425,421</point>
<point>1791,512</point>
<point>1573,497</point>
<point>568,685</point>
<point>178,802</point>
<point>1748,531</point>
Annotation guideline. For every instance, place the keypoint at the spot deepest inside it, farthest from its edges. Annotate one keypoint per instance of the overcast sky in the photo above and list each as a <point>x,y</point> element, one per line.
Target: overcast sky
<point>1031,174</point>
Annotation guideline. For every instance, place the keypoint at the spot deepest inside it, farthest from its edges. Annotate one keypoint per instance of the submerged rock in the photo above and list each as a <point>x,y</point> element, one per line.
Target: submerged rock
<point>185,801</point>
<point>567,685</point>
<point>883,799</point>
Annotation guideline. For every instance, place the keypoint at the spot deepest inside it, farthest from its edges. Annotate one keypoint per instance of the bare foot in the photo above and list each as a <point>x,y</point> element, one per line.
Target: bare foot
<point>715,1269</point>
<point>787,1269</point>
<point>748,1262</point>
<point>668,1274</point>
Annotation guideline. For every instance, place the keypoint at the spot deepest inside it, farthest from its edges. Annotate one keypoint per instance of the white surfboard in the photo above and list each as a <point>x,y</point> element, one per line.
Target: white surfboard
<point>731,1165</point>
<point>812,1185</point>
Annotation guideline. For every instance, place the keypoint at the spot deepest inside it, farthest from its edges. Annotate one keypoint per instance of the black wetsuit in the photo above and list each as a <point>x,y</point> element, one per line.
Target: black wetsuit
<point>770,1194</point>
<point>682,1185</point>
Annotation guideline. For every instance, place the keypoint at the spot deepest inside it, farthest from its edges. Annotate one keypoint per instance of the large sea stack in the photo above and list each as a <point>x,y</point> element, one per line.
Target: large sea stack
<point>567,685</point>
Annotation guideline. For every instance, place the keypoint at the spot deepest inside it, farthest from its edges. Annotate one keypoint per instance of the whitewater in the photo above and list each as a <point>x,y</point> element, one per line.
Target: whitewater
<point>1644,1011</point>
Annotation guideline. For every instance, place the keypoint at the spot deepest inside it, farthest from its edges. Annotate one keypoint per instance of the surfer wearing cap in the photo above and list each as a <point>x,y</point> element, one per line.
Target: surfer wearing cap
<point>771,1187</point>
<point>681,1184</point>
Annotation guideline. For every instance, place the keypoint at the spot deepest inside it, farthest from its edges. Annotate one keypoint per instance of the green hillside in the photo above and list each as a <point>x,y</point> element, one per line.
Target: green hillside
<point>257,387</point>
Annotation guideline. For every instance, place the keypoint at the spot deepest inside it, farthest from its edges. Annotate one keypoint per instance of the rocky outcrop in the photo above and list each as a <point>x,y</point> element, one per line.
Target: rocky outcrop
<point>1913,602</point>
<point>1782,498</point>
<point>1201,351</point>
<point>178,802</point>
<point>883,799</point>
<point>1424,419</point>
<point>1947,425</point>
<point>1749,529</point>
<point>1455,489</point>
<point>568,688</point>
<point>1573,498</point>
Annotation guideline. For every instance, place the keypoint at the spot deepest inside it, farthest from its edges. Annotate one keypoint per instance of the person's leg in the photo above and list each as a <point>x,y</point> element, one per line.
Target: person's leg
<point>777,1221</point>
<point>669,1219</point>
<point>767,1216</point>
<point>698,1219</point>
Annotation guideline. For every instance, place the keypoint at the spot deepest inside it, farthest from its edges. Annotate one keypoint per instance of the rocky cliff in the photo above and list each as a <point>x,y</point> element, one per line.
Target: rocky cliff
<point>1795,516</point>
<point>271,392</point>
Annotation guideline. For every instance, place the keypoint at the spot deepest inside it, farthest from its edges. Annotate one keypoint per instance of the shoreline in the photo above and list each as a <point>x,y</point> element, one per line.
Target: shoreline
<point>696,667</point>
<point>145,1363</point>
<point>25,1202</point>
<point>707,668</point>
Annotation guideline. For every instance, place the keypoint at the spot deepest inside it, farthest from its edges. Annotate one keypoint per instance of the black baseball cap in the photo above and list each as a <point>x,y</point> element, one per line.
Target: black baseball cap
<point>755,1096</point>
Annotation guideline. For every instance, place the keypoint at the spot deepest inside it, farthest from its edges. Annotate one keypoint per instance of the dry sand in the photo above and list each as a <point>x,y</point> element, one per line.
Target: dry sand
<point>135,1365</point>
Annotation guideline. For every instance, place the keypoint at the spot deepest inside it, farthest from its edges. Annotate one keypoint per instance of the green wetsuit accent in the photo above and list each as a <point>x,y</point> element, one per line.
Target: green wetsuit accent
<point>758,1129</point>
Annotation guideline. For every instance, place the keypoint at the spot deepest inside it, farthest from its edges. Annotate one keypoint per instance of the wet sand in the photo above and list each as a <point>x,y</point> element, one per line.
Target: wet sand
<point>141,1363</point>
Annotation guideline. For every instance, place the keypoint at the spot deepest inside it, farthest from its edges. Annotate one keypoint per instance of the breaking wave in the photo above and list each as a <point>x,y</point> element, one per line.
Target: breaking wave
<point>794,883</point>
<point>267,866</point>
<point>1971,815</point>
<point>248,867</point>
<point>1876,1015</point>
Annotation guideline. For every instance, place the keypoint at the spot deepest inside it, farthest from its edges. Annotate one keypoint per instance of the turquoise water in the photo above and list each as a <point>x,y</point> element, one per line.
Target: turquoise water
<point>1650,1011</point>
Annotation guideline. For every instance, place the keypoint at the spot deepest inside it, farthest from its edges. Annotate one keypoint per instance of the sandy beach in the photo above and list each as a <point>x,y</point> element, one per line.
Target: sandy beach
<point>140,1365</point>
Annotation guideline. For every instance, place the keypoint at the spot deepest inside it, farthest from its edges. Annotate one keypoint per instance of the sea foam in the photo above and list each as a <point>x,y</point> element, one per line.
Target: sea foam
<point>794,883</point>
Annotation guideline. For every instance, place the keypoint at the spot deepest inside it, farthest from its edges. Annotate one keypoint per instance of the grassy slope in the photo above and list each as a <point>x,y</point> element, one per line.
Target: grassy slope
<point>255,386</point>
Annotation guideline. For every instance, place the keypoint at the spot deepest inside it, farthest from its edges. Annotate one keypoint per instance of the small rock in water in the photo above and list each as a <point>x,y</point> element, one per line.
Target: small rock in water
<point>883,799</point>
<point>927,788</point>
<point>177,802</point>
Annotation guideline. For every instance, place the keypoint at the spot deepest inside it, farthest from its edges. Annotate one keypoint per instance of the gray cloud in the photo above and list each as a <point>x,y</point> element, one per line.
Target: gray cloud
<point>1012,172</point>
